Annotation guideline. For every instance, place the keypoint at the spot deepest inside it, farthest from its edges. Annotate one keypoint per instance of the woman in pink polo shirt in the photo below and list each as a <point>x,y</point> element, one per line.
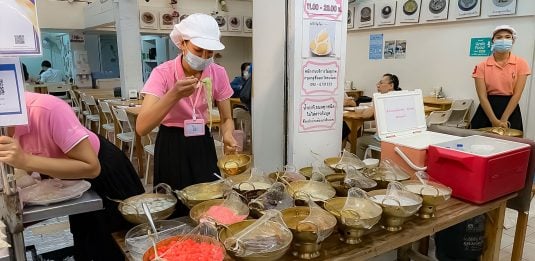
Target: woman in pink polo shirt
<point>178,94</point>
<point>56,144</point>
<point>500,81</point>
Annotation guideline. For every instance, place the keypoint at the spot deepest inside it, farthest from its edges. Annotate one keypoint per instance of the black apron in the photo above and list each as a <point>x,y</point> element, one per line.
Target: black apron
<point>92,231</point>
<point>181,161</point>
<point>498,104</point>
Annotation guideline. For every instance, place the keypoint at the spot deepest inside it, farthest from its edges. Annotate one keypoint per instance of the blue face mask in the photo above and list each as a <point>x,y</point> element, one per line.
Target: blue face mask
<point>502,45</point>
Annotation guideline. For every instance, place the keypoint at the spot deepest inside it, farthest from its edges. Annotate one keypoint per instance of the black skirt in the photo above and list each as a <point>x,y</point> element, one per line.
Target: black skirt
<point>498,104</point>
<point>92,231</point>
<point>181,161</point>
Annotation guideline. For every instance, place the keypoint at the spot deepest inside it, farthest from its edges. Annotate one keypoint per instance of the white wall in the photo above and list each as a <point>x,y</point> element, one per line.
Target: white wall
<point>61,14</point>
<point>237,51</point>
<point>438,55</point>
<point>268,104</point>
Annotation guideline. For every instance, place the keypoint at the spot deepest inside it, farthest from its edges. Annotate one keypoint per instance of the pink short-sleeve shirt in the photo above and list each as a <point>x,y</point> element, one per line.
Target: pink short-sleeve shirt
<point>164,77</point>
<point>501,80</point>
<point>53,129</point>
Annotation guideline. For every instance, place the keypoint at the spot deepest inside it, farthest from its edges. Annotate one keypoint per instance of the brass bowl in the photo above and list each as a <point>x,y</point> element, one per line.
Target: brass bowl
<point>198,238</point>
<point>251,190</point>
<point>432,196</point>
<point>503,131</point>
<point>306,171</point>
<point>306,245</point>
<point>197,193</point>
<point>396,211</point>
<point>334,164</point>
<point>337,182</point>
<point>139,217</point>
<point>353,223</point>
<point>197,211</point>
<point>236,228</point>
<point>379,177</point>
<point>234,164</point>
<point>278,176</point>
<point>318,191</point>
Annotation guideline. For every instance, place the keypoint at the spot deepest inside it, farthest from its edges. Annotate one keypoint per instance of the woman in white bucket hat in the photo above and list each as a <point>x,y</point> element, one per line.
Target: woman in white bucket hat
<point>178,95</point>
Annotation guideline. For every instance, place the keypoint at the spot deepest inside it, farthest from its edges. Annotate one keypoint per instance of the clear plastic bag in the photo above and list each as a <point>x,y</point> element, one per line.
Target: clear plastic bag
<point>319,221</point>
<point>230,211</point>
<point>349,159</point>
<point>356,209</point>
<point>257,181</point>
<point>319,167</point>
<point>50,191</point>
<point>289,174</point>
<point>355,179</point>
<point>276,197</point>
<point>200,244</point>
<point>265,235</point>
<point>428,187</point>
<point>388,171</point>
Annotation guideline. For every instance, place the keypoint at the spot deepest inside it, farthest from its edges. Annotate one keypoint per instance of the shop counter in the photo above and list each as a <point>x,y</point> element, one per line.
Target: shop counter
<point>379,241</point>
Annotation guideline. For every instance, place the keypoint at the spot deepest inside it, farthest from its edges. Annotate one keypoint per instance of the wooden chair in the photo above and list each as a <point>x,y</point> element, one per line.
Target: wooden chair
<point>108,124</point>
<point>149,149</point>
<point>60,90</point>
<point>127,131</point>
<point>93,113</point>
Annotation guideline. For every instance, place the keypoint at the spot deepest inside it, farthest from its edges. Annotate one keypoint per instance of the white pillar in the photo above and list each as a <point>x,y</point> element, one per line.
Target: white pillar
<point>269,62</point>
<point>128,45</point>
<point>315,79</point>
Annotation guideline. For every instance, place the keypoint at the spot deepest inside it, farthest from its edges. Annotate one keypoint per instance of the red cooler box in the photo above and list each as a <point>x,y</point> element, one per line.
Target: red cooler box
<point>403,131</point>
<point>481,169</point>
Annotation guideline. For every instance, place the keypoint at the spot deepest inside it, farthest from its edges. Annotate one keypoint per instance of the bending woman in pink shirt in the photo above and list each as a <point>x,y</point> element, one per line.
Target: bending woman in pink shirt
<point>500,81</point>
<point>177,97</point>
<point>56,144</point>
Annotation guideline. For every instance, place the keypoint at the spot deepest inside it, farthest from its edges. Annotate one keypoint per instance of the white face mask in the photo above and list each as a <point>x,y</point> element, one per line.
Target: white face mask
<point>245,75</point>
<point>197,63</point>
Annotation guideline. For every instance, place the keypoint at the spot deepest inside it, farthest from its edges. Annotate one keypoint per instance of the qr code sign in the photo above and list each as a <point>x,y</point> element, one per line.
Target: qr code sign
<point>19,39</point>
<point>2,90</point>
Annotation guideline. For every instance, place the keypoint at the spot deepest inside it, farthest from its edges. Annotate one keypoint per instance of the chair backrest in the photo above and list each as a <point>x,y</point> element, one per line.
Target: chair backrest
<point>90,103</point>
<point>438,117</point>
<point>122,117</point>
<point>58,88</point>
<point>459,110</point>
<point>105,108</point>
<point>75,99</point>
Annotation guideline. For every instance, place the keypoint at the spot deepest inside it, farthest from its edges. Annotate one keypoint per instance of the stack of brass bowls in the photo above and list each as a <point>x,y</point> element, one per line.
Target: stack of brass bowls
<point>306,241</point>
<point>396,210</point>
<point>503,131</point>
<point>353,222</point>
<point>234,164</point>
<point>335,164</point>
<point>317,191</point>
<point>306,171</point>
<point>275,254</point>
<point>433,194</point>
<point>382,180</point>
<point>197,193</point>
<point>337,182</point>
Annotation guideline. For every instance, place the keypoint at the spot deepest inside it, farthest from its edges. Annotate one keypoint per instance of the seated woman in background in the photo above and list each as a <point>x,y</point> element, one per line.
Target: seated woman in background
<point>56,144</point>
<point>388,83</point>
<point>239,81</point>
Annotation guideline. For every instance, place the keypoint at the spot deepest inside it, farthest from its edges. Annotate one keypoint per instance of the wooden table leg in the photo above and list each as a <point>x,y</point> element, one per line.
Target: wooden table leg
<point>493,233</point>
<point>423,247</point>
<point>520,235</point>
<point>355,126</point>
<point>140,156</point>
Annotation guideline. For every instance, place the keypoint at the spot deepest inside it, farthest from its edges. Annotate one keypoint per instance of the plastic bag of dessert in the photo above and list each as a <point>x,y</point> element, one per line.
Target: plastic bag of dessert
<point>319,167</point>
<point>230,211</point>
<point>355,179</point>
<point>387,171</point>
<point>265,235</point>
<point>358,208</point>
<point>289,173</point>
<point>200,244</point>
<point>349,159</point>
<point>276,197</point>
<point>318,221</point>
<point>253,187</point>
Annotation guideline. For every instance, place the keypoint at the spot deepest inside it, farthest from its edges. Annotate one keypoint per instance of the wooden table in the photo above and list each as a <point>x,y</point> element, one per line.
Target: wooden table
<point>37,88</point>
<point>379,241</point>
<point>355,120</point>
<point>442,104</point>
<point>355,93</point>
<point>429,109</point>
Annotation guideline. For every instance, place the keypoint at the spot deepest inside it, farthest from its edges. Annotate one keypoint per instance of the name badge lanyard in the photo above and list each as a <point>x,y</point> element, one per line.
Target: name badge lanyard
<point>194,104</point>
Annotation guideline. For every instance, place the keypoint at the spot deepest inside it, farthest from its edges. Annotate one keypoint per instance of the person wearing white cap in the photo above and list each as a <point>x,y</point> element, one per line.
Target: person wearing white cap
<point>178,99</point>
<point>500,81</point>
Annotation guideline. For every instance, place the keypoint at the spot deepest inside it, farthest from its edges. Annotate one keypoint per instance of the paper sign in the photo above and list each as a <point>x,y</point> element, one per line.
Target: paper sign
<point>317,114</point>
<point>19,30</point>
<point>323,9</point>
<point>480,46</point>
<point>322,39</point>
<point>12,103</point>
<point>503,7</point>
<point>320,78</point>
<point>400,114</point>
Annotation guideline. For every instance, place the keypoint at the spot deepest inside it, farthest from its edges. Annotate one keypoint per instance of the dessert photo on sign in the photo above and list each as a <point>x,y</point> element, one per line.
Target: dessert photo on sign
<point>321,38</point>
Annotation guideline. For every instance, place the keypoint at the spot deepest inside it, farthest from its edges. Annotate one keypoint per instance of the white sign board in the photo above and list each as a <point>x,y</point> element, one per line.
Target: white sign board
<point>320,77</point>
<point>323,9</point>
<point>12,102</point>
<point>19,30</point>
<point>317,114</point>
